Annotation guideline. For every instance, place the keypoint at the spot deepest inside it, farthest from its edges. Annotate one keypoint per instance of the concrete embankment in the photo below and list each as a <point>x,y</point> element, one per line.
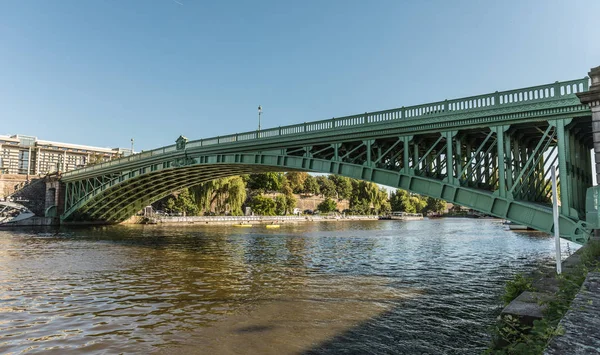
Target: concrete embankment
<point>32,222</point>
<point>235,220</point>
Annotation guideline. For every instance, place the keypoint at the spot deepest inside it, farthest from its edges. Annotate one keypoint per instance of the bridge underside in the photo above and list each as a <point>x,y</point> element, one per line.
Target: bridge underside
<point>496,161</point>
<point>125,199</point>
<point>461,167</point>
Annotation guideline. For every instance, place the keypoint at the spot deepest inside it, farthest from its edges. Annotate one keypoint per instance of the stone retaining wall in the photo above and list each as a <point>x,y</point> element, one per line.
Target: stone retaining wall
<point>581,322</point>
<point>9,182</point>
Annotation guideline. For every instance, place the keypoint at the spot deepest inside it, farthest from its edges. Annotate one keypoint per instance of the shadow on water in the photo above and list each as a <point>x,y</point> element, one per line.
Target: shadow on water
<point>396,332</point>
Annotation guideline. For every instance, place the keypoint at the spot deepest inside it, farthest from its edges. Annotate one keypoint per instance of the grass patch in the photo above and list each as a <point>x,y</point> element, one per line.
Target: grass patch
<point>515,287</point>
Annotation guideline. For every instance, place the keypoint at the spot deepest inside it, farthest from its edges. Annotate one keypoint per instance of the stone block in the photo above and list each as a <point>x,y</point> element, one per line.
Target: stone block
<point>527,307</point>
<point>571,262</point>
<point>546,285</point>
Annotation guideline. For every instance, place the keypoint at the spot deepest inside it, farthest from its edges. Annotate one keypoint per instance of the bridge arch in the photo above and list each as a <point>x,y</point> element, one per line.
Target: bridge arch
<point>120,198</point>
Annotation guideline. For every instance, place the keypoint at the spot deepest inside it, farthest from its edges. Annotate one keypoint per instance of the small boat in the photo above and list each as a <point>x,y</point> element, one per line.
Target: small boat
<point>272,226</point>
<point>515,226</point>
<point>242,225</point>
<point>11,212</point>
<point>404,216</point>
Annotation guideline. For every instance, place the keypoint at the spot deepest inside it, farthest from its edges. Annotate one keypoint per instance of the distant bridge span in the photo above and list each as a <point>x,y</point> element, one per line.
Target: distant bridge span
<point>489,152</point>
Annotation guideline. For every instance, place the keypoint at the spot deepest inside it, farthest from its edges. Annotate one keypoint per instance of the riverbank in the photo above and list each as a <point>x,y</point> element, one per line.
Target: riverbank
<point>244,220</point>
<point>540,309</point>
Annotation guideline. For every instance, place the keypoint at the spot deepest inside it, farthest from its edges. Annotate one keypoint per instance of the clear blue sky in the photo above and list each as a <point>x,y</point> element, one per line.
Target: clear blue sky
<point>100,72</point>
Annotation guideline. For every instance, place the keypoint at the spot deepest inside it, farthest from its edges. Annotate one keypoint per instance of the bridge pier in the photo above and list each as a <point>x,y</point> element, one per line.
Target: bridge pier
<point>55,196</point>
<point>592,99</point>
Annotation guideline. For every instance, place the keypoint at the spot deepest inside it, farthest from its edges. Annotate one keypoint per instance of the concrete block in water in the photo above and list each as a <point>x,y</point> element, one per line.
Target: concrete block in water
<point>527,307</point>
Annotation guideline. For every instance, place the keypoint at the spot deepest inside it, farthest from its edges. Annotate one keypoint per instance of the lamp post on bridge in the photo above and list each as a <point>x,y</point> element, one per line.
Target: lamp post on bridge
<point>259,112</point>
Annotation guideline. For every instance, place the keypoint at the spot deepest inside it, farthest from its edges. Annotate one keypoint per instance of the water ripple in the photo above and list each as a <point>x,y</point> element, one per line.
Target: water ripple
<point>428,287</point>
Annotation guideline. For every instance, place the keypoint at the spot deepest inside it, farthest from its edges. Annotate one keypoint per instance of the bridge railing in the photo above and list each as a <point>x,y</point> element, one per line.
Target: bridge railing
<point>494,100</point>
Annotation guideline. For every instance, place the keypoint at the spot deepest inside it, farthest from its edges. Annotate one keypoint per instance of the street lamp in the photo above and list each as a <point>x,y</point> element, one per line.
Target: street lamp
<point>259,112</point>
<point>131,145</point>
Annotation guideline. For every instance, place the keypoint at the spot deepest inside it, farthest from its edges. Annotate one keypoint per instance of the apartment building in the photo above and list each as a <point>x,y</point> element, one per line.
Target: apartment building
<point>27,155</point>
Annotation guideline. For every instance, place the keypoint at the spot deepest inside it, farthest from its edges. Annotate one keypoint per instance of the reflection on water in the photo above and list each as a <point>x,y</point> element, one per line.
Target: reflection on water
<point>427,286</point>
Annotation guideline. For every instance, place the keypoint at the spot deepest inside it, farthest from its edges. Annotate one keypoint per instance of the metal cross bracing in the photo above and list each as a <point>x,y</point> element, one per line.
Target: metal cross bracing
<point>131,194</point>
<point>492,153</point>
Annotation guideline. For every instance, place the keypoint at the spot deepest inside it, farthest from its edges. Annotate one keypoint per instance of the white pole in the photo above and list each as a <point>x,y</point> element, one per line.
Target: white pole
<point>555,214</point>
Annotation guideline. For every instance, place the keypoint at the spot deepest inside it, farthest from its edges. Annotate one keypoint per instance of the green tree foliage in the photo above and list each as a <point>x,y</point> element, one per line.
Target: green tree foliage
<point>296,181</point>
<point>358,206</point>
<point>383,203</point>
<point>384,206</point>
<point>286,189</point>
<point>182,202</point>
<point>403,201</point>
<point>343,186</point>
<point>326,187</point>
<point>435,205</point>
<point>225,194</point>
<point>328,205</point>
<point>290,199</point>
<point>228,195</point>
<point>265,181</point>
<point>262,205</point>
<point>397,199</point>
<point>311,186</point>
<point>419,202</point>
<point>368,198</point>
<point>280,205</point>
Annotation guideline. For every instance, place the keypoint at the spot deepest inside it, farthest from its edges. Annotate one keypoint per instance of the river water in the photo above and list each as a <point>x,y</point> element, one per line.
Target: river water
<point>372,287</point>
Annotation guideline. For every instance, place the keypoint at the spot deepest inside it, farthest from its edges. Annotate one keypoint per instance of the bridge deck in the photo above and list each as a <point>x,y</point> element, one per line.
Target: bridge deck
<point>438,114</point>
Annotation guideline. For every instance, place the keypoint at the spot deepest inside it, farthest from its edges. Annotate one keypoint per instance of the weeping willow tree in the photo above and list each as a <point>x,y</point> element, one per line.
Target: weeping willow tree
<point>367,196</point>
<point>224,195</point>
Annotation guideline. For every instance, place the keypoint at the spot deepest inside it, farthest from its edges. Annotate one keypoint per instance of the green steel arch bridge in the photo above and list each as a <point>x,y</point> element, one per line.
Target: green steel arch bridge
<point>489,152</point>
